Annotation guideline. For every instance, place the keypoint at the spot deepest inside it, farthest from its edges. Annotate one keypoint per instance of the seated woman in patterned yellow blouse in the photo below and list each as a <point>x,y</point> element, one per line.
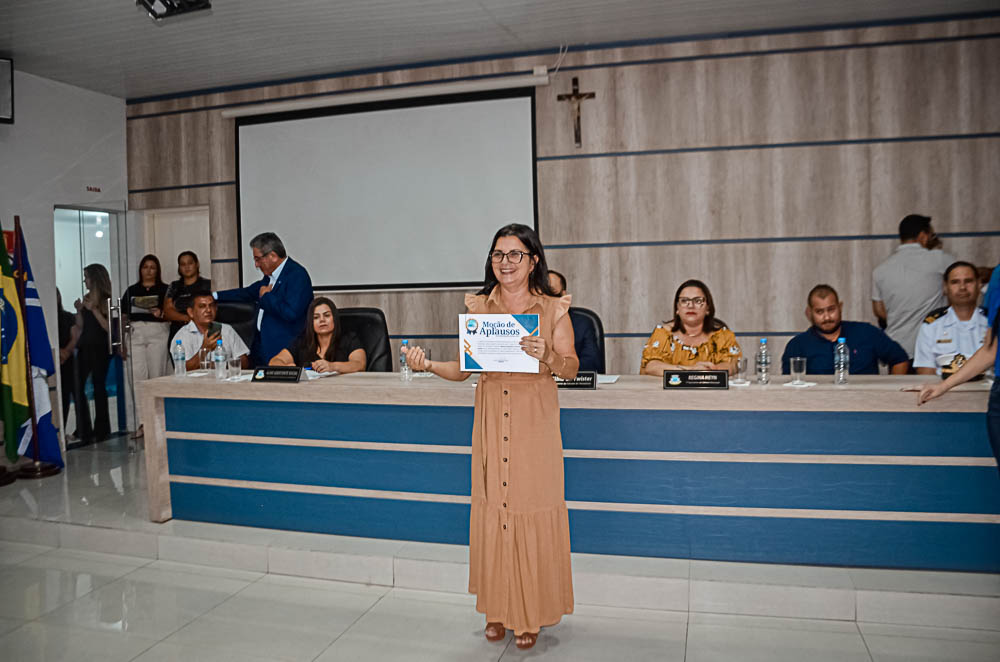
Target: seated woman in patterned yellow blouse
<point>695,340</point>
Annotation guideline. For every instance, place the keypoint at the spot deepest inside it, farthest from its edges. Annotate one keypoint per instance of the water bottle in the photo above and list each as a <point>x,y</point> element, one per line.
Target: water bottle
<point>177,354</point>
<point>763,363</point>
<point>405,373</point>
<point>219,361</point>
<point>841,362</point>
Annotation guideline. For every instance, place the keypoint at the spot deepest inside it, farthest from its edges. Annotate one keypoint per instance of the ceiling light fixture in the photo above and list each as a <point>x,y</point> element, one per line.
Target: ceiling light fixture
<point>161,9</point>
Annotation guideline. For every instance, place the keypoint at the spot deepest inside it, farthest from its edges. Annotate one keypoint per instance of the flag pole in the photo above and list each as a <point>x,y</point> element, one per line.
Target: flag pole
<point>35,468</point>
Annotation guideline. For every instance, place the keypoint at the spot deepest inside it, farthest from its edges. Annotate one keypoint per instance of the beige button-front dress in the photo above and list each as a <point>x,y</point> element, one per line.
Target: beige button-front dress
<point>519,559</point>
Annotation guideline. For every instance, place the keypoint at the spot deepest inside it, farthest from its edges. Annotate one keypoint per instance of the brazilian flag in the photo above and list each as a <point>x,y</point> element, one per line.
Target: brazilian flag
<point>13,369</point>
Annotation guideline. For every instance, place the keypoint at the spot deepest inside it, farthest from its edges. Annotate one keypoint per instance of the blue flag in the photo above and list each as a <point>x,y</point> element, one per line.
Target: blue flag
<point>42,364</point>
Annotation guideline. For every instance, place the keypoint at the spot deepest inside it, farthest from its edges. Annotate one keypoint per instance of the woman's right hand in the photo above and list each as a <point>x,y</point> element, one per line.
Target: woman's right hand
<point>416,359</point>
<point>930,391</point>
<point>78,305</point>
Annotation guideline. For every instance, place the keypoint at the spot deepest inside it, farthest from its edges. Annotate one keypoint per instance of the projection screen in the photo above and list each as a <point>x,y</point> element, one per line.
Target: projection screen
<point>403,194</point>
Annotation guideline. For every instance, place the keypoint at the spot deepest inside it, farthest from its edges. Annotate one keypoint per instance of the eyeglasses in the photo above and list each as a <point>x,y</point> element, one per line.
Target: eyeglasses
<point>696,302</point>
<point>514,257</point>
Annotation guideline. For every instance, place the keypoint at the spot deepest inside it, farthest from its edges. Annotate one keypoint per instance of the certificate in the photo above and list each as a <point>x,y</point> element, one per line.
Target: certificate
<point>492,343</point>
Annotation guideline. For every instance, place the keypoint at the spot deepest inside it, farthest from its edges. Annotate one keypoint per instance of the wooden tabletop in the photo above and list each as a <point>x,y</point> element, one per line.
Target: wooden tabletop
<point>864,393</point>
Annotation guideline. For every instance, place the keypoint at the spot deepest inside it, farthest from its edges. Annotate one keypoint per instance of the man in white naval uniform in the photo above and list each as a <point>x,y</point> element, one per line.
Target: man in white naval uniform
<point>952,334</point>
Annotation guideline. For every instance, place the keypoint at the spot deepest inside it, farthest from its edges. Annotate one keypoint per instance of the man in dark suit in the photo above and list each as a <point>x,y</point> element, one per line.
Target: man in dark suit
<point>282,297</point>
<point>584,336</point>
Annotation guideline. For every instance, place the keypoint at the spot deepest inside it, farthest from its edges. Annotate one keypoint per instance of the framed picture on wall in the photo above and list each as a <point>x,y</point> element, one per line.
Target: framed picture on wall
<point>6,90</point>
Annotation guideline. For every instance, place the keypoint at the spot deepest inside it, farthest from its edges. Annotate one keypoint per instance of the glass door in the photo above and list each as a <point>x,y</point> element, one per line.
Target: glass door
<point>93,255</point>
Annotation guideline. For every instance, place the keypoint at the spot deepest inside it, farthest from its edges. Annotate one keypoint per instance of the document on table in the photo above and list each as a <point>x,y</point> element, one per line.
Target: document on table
<point>492,342</point>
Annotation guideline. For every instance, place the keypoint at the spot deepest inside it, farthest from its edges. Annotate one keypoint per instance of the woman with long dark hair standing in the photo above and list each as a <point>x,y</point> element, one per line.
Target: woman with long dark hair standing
<point>92,353</point>
<point>323,346</point>
<point>142,306</point>
<point>175,301</point>
<point>519,555</point>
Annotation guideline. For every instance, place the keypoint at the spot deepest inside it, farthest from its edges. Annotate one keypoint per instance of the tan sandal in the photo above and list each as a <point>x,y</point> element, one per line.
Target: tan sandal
<point>495,632</point>
<point>526,640</point>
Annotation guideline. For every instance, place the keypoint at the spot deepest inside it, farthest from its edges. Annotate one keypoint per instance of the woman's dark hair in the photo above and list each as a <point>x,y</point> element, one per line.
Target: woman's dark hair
<point>155,260</point>
<point>710,324</point>
<point>538,279</point>
<point>311,340</point>
<point>192,256</point>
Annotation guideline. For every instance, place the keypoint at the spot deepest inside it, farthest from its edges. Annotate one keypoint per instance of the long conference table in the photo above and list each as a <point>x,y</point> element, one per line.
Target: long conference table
<point>852,475</point>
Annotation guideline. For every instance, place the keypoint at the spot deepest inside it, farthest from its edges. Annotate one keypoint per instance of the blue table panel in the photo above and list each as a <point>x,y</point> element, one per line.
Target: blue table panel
<point>321,420</point>
<point>968,547</point>
<point>437,473</point>
<point>820,432</point>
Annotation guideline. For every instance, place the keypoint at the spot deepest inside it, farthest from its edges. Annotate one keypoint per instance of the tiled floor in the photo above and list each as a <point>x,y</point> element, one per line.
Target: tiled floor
<point>61,603</point>
<point>77,606</point>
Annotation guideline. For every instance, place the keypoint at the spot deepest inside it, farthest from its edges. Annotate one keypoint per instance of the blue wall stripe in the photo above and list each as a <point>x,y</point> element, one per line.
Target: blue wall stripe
<point>821,432</point>
<point>760,146</point>
<point>321,513</point>
<point>588,47</point>
<point>223,260</point>
<point>918,545</point>
<point>178,188</point>
<point>318,420</point>
<point>432,473</point>
<point>808,486</point>
<point>761,240</point>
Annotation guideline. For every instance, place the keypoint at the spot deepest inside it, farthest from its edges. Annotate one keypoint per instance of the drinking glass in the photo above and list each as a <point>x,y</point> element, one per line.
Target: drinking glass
<point>205,358</point>
<point>798,369</point>
<point>235,368</point>
<point>741,372</point>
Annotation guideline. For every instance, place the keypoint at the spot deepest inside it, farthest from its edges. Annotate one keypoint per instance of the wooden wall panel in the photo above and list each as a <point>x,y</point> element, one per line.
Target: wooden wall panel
<point>921,89</point>
<point>794,192</point>
<point>756,286</point>
<point>181,149</point>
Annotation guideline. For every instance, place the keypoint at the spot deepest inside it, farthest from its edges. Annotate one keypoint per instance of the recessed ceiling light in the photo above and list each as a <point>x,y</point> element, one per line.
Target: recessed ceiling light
<point>161,9</point>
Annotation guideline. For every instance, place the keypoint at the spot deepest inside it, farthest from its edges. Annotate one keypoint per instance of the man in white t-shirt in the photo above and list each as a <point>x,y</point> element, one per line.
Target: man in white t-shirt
<point>201,333</point>
<point>949,336</point>
<point>906,287</point>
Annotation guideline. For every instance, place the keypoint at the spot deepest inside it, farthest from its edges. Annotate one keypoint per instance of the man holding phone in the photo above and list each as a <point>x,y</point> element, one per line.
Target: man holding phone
<point>201,333</point>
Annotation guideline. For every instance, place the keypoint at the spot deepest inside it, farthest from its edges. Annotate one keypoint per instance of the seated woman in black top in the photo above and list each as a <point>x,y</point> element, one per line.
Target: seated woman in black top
<point>322,346</point>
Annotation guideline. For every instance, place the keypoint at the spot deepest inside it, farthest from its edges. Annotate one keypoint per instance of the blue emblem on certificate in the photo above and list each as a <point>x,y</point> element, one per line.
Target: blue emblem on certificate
<point>492,342</point>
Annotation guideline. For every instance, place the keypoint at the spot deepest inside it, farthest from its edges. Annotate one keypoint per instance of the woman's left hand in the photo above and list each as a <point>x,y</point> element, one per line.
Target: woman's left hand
<point>536,347</point>
<point>156,312</point>
<point>319,365</point>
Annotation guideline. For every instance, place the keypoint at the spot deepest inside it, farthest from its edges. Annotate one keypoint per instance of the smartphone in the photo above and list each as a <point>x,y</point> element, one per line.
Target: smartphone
<point>215,328</point>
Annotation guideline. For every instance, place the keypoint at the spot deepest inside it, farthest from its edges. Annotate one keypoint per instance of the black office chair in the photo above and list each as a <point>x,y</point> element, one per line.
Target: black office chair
<point>241,316</point>
<point>587,316</point>
<point>368,324</point>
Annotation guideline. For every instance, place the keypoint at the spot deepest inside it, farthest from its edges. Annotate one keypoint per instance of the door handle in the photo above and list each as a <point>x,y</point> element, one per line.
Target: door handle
<point>121,329</point>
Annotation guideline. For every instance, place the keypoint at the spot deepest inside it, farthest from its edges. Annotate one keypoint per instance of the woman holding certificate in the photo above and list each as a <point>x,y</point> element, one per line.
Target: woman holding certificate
<point>519,565</point>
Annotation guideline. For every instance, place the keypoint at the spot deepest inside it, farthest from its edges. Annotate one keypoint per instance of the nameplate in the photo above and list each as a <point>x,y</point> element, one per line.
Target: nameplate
<point>587,380</point>
<point>695,379</point>
<point>277,373</point>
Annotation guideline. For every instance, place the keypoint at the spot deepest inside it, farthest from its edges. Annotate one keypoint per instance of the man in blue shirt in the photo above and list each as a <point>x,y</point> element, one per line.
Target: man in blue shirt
<point>868,344</point>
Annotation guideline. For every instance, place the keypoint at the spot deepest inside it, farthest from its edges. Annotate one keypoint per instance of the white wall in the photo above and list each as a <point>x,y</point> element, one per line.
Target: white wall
<point>64,139</point>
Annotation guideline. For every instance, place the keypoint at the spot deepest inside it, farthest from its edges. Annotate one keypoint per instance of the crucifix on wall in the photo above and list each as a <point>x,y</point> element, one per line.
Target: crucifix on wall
<point>575,99</point>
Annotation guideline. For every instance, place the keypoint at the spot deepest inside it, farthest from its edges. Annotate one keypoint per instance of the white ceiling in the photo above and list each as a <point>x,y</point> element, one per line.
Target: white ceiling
<point>111,46</point>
